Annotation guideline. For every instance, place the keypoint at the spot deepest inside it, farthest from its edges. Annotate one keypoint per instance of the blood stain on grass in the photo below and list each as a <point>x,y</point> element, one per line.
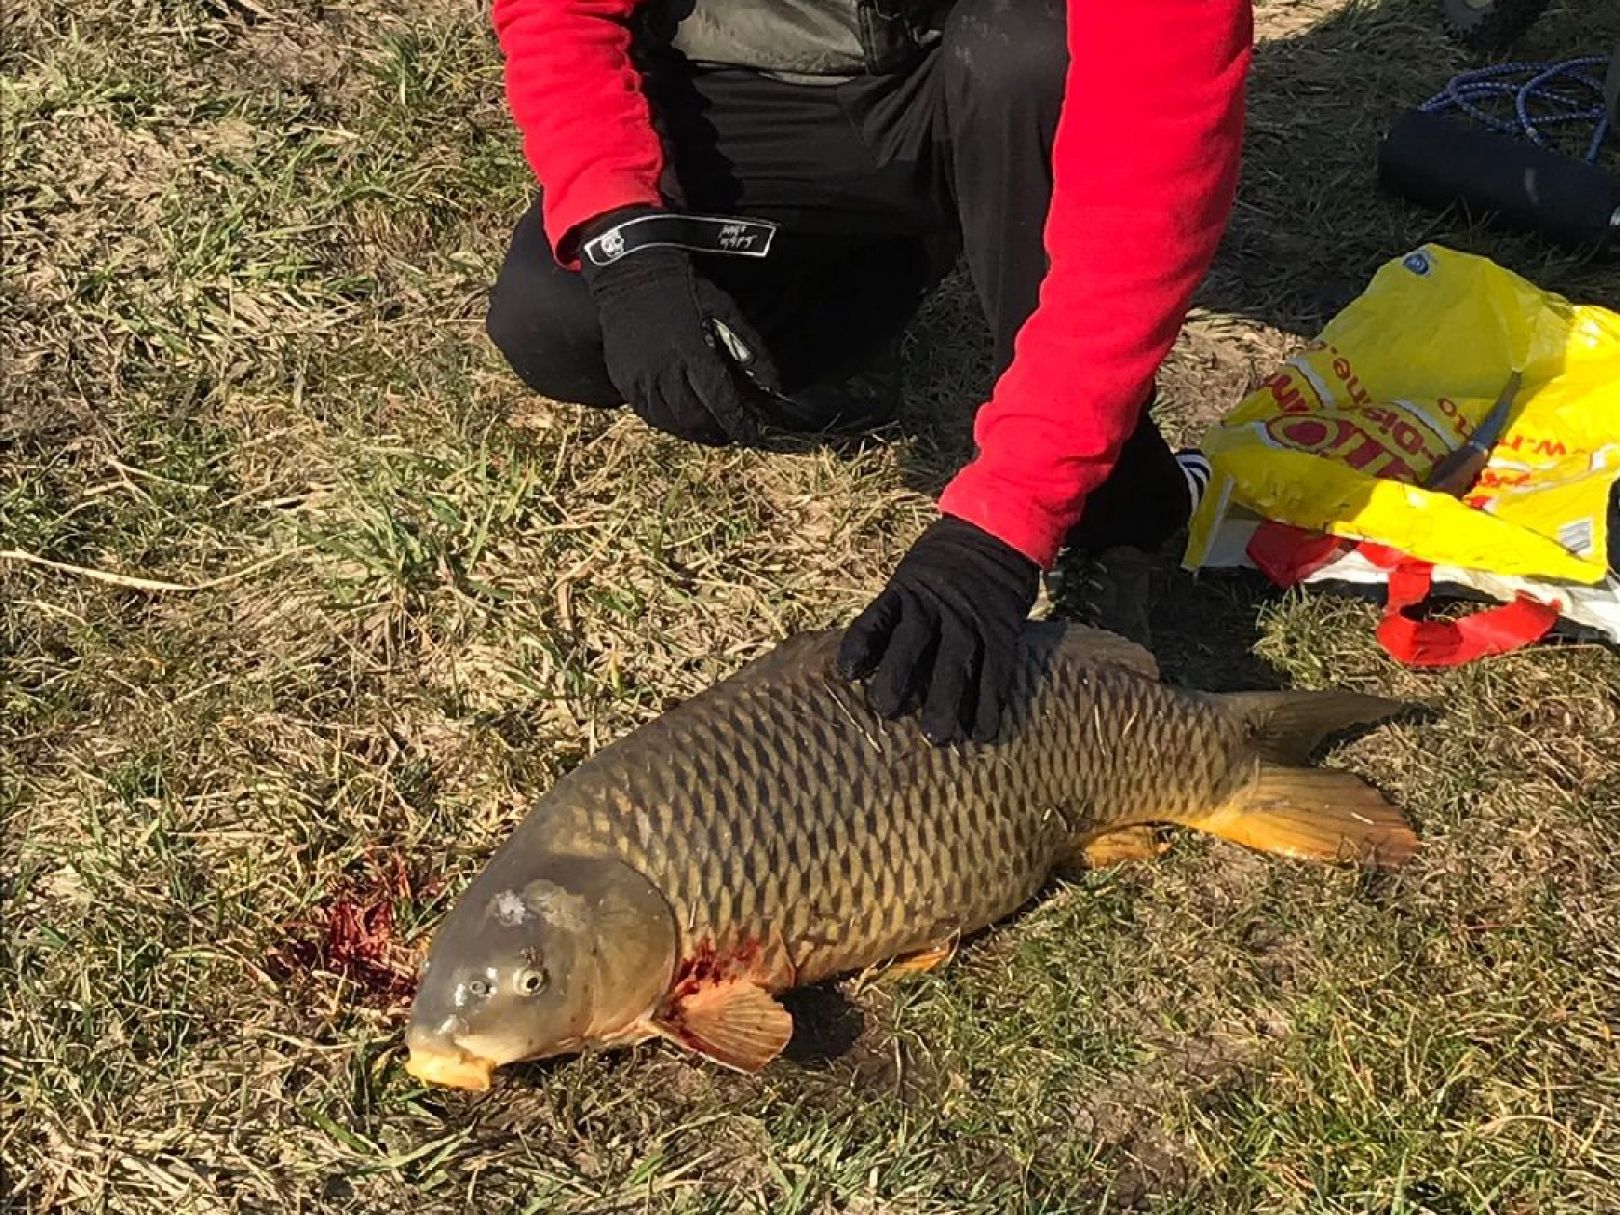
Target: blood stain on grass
<point>353,935</point>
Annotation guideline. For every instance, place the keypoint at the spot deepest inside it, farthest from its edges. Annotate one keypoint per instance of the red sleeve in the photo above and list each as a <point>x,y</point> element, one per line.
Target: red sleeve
<point>1144,170</point>
<point>578,101</point>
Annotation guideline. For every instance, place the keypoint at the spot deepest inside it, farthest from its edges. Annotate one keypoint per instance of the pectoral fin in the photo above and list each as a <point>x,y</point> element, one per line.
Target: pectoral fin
<point>736,1023</point>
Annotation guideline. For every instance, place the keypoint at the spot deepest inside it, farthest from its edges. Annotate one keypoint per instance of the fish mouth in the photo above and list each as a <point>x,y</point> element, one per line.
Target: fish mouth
<point>443,1059</point>
<point>469,1061</point>
<point>448,1066</point>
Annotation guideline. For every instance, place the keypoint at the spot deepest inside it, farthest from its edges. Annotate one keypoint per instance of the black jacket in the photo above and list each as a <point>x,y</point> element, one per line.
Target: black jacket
<point>796,38</point>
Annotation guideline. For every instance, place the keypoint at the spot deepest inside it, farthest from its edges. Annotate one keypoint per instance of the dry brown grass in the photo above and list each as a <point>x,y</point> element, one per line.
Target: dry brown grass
<point>246,246</point>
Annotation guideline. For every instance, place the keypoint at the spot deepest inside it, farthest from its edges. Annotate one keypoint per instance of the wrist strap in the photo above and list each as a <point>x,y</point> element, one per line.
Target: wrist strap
<point>694,233</point>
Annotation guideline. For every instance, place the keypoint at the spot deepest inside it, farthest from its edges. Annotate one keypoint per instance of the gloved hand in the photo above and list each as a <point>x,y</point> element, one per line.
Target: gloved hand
<point>664,335</point>
<point>944,632</point>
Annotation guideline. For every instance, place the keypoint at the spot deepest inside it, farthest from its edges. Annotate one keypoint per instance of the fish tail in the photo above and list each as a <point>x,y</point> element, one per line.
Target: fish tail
<point>1285,727</point>
<point>1315,814</point>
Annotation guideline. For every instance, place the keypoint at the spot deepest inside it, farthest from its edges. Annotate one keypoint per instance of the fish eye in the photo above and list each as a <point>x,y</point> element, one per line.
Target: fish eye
<point>530,980</point>
<point>477,987</point>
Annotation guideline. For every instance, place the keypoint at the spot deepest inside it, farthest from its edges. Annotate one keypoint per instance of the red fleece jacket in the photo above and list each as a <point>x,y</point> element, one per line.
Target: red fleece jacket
<point>1144,169</point>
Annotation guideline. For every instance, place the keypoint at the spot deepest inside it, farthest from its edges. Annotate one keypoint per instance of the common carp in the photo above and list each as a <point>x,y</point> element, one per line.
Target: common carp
<point>773,831</point>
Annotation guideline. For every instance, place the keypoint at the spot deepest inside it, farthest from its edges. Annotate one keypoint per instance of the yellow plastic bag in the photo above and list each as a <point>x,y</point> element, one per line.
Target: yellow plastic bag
<point>1339,438</point>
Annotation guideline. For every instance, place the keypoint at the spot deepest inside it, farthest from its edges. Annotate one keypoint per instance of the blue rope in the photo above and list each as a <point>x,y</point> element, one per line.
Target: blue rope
<point>1543,95</point>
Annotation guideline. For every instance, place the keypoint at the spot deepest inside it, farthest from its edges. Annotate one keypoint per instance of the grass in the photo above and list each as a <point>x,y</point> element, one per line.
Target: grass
<point>246,246</point>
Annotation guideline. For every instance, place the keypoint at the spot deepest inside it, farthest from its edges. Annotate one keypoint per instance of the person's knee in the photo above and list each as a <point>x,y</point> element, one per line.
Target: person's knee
<point>543,321</point>
<point>1015,49</point>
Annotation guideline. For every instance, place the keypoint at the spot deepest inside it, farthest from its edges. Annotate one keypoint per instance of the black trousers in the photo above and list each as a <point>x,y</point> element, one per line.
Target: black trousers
<point>879,184</point>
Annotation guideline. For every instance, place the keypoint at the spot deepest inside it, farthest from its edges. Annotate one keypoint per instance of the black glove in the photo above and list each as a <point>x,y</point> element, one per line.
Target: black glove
<point>676,346</point>
<point>944,632</point>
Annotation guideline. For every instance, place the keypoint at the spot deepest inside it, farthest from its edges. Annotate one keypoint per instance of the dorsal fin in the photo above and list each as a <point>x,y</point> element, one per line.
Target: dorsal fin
<point>812,650</point>
<point>1098,646</point>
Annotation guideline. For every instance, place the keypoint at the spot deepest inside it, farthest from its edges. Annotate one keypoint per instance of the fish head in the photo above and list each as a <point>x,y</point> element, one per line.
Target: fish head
<point>539,960</point>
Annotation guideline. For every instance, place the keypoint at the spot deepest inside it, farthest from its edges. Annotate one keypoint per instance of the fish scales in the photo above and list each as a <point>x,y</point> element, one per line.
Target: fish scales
<point>783,814</point>
<point>773,831</point>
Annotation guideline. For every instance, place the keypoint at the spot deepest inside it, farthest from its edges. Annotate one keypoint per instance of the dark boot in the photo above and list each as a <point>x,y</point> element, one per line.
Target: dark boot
<point>1113,590</point>
<point>1111,577</point>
